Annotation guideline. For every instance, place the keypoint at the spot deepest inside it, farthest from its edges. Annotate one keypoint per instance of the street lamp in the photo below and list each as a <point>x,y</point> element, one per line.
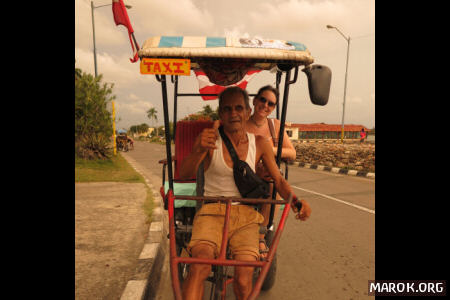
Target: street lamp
<point>345,85</point>
<point>93,31</point>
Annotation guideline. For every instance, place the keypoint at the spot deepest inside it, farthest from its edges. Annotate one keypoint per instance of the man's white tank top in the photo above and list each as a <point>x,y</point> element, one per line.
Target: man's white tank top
<point>219,179</point>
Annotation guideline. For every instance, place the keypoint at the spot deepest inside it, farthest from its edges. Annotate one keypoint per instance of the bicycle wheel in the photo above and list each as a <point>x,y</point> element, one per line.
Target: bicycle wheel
<point>217,283</point>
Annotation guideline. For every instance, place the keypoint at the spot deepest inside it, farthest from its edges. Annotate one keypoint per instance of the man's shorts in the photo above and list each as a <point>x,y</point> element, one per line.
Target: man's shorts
<point>243,230</point>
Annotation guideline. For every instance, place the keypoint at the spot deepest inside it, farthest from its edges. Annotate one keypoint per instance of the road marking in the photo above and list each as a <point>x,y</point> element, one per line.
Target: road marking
<point>338,200</point>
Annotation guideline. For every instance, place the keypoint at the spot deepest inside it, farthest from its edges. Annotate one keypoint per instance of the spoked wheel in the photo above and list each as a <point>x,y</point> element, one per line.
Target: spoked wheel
<point>269,281</point>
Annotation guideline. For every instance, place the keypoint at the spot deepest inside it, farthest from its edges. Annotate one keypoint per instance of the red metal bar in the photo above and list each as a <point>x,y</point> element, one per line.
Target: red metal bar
<point>223,294</point>
<point>173,254</point>
<point>219,262</point>
<point>223,246</point>
<point>223,199</point>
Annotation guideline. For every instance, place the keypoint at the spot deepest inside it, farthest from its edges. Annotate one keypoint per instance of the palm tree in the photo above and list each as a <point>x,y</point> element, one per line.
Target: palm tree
<point>208,111</point>
<point>152,115</point>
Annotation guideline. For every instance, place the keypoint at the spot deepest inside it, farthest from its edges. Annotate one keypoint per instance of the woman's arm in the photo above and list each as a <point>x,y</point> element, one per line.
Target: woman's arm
<point>288,151</point>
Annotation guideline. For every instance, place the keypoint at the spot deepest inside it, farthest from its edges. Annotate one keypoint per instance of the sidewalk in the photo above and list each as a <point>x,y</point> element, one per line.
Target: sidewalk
<point>117,254</point>
<point>110,232</point>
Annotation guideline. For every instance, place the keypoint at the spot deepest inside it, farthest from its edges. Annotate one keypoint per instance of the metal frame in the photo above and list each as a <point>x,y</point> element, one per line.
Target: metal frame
<point>222,260</point>
<point>169,198</point>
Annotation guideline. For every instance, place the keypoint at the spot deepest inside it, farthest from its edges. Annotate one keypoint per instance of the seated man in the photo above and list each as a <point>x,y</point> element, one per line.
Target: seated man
<point>234,111</point>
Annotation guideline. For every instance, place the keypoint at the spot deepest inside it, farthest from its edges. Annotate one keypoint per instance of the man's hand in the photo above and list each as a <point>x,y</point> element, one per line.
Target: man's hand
<point>305,211</point>
<point>206,140</point>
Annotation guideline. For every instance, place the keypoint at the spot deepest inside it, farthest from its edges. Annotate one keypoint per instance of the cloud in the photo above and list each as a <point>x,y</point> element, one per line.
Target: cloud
<point>301,21</point>
<point>106,31</point>
<point>133,97</point>
<point>161,17</point>
<point>132,110</point>
<point>114,69</point>
<point>236,31</point>
<point>356,99</point>
<point>137,107</point>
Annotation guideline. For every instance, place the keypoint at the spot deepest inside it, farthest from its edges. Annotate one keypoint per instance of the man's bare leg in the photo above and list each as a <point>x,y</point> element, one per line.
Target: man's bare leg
<point>193,286</point>
<point>243,278</point>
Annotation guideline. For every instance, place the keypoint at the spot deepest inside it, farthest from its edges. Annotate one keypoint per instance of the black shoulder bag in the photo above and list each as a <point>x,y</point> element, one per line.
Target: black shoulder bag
<point>247,182</point>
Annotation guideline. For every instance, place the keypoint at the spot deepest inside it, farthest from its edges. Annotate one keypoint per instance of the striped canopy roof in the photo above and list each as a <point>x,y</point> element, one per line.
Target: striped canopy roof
<point>264,50</point>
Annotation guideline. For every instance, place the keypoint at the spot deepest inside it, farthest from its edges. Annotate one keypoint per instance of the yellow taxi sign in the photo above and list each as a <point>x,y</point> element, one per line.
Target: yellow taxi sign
<point>166,66</point>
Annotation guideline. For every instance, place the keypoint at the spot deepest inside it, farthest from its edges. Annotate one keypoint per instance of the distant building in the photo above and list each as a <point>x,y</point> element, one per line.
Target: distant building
<point>322,131</point>
<point>149,132</point>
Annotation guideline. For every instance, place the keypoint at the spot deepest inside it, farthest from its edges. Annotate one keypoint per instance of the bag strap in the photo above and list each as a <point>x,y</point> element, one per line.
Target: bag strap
<point>229,145</point>
<point>272,132</point>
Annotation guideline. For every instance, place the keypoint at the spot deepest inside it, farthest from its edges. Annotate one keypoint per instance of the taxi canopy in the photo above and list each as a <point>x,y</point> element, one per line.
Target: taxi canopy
<point>225,60</point>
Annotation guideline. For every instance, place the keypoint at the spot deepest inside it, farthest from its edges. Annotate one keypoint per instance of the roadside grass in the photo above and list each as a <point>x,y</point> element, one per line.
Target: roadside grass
<point>116,169</point>
<point>148,205</point>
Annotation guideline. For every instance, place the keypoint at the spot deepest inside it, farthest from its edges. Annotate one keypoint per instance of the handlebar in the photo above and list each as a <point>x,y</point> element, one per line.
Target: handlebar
<point>209,199</point>
<point>230,199</point>
<point>297,204</point>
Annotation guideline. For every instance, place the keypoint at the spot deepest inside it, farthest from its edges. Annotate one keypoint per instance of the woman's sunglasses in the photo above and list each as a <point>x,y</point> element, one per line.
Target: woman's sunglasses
<point>264,100</point>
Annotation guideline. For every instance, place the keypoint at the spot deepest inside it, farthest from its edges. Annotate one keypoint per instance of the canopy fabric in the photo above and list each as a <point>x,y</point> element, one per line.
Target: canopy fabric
<point>205,86</point>
<point>225,47</point>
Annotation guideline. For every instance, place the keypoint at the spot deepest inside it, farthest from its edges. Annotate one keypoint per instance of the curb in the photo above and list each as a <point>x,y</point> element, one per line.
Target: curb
<point>144,283</point>
<point>336,170</point>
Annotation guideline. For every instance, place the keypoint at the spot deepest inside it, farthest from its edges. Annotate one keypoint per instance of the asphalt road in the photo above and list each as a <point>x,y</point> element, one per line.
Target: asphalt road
<point>330,256</point>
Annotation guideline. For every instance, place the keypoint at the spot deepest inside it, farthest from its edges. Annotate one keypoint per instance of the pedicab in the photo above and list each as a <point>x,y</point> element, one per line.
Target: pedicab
<point>122,142</point>
<point>223,61</point>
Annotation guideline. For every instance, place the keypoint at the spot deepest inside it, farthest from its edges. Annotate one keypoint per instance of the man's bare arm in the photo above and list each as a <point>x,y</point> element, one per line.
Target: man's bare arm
<point>269,162</point>
<point>204,143</point>
<point>282,186</point>
<point>190,164</point>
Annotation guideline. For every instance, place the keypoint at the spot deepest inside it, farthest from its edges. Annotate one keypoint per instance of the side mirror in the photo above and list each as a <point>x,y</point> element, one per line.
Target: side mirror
<point>319,82</point>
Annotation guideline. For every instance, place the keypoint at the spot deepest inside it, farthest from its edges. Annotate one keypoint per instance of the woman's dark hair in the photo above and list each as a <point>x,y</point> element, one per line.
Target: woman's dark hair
<point>231,91</point>
<point>267,88</point>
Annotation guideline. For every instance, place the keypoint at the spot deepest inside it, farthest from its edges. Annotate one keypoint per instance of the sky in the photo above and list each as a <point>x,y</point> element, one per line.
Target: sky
<point>299,21</point>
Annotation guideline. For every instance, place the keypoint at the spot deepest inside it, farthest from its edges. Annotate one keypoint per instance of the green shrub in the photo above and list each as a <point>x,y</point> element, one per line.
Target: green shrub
<point>93,121</point>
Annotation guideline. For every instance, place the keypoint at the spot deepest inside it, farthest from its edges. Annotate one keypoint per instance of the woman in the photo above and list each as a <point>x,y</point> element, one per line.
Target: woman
<point>259,124</point>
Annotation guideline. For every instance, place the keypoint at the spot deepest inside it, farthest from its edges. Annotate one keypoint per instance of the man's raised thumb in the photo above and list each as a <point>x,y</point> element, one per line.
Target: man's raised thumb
<point>216,124</point>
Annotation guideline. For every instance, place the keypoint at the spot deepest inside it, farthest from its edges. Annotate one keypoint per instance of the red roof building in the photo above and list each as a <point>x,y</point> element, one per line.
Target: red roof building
<point>323,131</point>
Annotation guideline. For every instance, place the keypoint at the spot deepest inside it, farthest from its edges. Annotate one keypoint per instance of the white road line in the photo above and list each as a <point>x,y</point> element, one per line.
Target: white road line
<point>338,200</point>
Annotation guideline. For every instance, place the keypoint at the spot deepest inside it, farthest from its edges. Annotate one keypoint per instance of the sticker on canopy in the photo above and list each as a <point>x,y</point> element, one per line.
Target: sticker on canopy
<point>166,66</point>
<point>264,43</point>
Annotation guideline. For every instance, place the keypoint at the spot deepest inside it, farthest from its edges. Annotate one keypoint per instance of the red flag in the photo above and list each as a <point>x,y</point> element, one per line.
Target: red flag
<point>207,87</point>
<point>121,18</point>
